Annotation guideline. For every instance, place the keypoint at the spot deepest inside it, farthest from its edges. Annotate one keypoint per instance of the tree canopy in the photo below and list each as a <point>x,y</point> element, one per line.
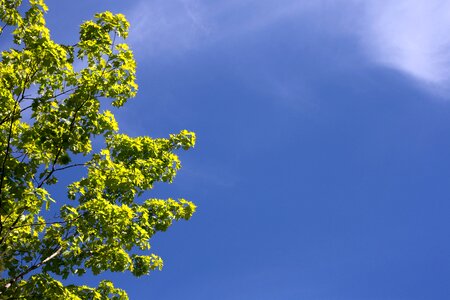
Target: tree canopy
<point>54,101</point>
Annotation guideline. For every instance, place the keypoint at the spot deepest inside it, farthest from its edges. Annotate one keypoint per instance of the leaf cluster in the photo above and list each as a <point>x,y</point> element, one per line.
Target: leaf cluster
<point>51,111</point>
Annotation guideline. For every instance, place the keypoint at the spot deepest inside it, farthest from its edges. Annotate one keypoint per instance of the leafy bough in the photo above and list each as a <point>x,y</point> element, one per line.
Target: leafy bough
<point>49,115</point>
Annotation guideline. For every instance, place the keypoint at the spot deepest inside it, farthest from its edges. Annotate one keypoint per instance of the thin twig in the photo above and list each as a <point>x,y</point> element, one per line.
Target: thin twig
<point>45,223</point>
<point>71,166</point>
<point>3,28</point>
<point>58,153</point>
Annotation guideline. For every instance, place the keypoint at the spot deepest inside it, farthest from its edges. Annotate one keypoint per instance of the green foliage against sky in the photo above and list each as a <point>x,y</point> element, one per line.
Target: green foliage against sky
<point>52,99</point>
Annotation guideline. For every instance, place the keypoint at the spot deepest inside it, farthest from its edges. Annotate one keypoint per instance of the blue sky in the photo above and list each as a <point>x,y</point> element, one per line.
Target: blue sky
<point>322,166</point>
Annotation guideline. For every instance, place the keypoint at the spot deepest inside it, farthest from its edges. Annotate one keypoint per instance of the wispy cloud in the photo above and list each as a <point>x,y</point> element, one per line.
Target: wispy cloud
<point>166,26</point>
<point>410,36</point>
<point>179,25</point>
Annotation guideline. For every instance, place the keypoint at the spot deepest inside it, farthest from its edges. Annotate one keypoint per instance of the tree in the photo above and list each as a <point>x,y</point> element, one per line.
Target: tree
<point>52,109</point>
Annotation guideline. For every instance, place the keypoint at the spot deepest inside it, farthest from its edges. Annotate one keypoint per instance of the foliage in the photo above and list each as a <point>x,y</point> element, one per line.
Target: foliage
<point>52,100</point>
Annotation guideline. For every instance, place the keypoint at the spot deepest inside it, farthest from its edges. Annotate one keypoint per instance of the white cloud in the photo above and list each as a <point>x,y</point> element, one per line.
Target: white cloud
<point>409,35</point>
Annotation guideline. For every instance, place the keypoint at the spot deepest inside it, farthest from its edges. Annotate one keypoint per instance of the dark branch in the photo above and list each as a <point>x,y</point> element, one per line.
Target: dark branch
<point>44,223</point>
<point>71,166</point>
<point>8,147</point>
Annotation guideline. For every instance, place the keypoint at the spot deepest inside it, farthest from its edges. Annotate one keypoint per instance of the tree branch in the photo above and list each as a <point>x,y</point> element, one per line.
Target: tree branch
<point>58,153</point>
<point>3,28</point>
<point>33,267</point>
<point>72,166</point>
<point>8,147</point>
<point>12,226</point>
<point>44,223</point>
